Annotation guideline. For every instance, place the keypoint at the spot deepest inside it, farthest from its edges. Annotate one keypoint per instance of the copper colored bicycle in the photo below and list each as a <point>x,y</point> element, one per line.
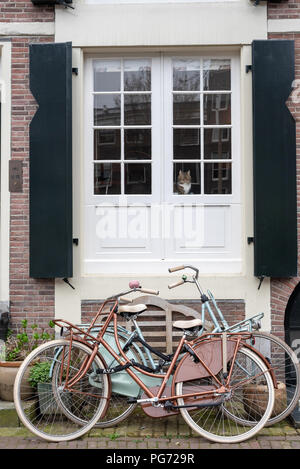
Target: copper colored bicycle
<point>223,388</point>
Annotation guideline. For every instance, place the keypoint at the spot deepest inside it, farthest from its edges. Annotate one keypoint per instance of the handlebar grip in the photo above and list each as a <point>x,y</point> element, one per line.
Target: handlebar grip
<point>174,269</point>
<point>127,300</point>
<point>147,290</point>
<point>173,285</point>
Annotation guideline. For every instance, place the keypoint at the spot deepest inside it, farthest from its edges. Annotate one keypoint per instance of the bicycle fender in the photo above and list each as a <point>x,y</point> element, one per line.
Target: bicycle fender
<point>208,352</point>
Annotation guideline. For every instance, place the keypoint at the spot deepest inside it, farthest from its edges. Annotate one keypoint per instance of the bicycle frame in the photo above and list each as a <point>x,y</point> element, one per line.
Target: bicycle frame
<point>123,360</point>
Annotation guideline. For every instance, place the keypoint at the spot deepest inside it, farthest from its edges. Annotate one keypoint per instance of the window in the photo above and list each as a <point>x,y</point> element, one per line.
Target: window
<point>161,135</point>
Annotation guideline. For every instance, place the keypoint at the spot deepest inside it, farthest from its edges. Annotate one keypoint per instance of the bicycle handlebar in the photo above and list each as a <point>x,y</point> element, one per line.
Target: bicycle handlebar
<point>173,285</point>
<point>174,269</point>
<point>147,290</point>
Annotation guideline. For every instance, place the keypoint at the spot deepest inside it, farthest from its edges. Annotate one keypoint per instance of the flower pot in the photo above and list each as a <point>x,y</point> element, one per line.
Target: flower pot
<point>8,372</point>
<point>255,398</point>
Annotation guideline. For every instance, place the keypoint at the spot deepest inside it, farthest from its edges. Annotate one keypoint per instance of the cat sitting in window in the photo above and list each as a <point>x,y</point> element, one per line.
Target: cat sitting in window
<point>184,182</point>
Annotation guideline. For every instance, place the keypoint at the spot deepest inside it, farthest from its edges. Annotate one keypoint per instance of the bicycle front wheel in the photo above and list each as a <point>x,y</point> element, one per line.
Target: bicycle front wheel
<point>37,403</point>
<point>250,398</point>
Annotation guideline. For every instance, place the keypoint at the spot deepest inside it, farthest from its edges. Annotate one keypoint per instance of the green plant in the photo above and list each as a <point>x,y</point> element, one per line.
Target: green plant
<point>19,345</point>
<point>40,373</point>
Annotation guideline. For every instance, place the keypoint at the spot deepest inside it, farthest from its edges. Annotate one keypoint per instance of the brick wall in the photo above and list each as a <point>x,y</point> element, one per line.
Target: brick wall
<point>287,9</point>
<point>29,298</point>
<point>24,11</point>
<point>281,289</point>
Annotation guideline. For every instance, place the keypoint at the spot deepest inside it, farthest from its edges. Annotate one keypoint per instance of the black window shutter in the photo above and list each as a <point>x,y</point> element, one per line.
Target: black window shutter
<point>51,161</point>
<point>274,154</point>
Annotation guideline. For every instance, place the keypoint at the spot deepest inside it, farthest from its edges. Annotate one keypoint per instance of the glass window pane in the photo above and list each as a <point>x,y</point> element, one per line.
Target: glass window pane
<point>137,109</point>
<point>137,75</point>
<point>217,144</point>
<point>107,178</point>
<point>186,75</point>
<point>137,178</point>
<point>186,109</point>
<point>137,144</point>
<point>186,144</point>
<point>186,178</point>
<point>217,178</point>
<point>107,144</point>
<point>107,75</point>
<point>216,74</point>
<point>217,109</point>
<point>107,109</point>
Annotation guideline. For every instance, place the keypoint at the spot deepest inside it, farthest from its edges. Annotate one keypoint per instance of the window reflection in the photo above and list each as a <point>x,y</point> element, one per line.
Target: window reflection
<point>107,144</point>
<point>137,144</point>
<point>216,75</point>
<point>186,109</point>
<point>137,109</point>
<point>107,109</point>
<point>107,178</point>
<point>217,143</point>
<point>217,177</point>
<point>186,75</point>
<point>186,144</point>
<point>107,75</point>
<point>137,75</point>
<point>138,178</point>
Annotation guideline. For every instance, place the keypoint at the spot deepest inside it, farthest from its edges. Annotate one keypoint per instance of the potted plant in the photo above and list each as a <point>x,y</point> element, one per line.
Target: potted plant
<point>40,380</point>
<point>17,347</point>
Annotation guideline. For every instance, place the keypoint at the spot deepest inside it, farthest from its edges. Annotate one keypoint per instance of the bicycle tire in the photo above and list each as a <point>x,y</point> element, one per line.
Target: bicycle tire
<point>117,403</point>
<point>288,370</point>
<point>211,423</point>
<point>41,413</point>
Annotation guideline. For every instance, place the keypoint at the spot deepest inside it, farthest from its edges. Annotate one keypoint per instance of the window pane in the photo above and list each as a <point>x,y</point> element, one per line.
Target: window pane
<point>186,144</point>
<point>217,178</point>
<point>137,144</point>
<point>137,75</point>
<point>186,75</point>
<point>217,144</point>
<point>107,178</point>
<point>107,144</point>
<point>217,109</point>
<point>186,109</point>
<point>138,178</point>
<point>107,75</point>
<point>107,109</point>
<point>137,109</point>
<point>216,74</point>
<point>186,178</point>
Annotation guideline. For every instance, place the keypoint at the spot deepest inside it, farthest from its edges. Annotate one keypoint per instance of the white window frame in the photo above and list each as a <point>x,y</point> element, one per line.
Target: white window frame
<point>228,261</point>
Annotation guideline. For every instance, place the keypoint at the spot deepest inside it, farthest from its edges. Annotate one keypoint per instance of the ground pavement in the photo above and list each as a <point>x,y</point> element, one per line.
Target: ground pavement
<point>142,432</point>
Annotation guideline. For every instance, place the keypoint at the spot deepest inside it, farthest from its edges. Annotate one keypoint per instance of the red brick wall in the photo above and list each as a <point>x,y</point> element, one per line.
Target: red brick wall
<point>281,289</point>
<point>233,311</point>
<point>24,11</point>
<point>29,298</point>
<point>286,9</point>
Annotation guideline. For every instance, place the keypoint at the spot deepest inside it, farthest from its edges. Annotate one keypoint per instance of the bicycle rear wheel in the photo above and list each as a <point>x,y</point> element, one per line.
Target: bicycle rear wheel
<point>286,368</point>
<point>251,412</point>
<point>38,406</point>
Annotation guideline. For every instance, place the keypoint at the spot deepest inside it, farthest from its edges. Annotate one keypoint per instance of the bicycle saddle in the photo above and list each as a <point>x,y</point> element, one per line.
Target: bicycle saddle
<point>192,323</point>
<point>132,309</point>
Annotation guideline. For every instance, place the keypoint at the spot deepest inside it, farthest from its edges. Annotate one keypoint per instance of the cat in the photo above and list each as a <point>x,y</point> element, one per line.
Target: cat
<point>184,182</point>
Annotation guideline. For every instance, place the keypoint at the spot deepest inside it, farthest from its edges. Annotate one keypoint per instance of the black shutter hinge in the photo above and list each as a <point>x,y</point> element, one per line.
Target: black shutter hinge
<point>66,280</point>
<point>250,239</point>
<point>248,68</point>
<point>75,70</point>
<point>261,279</point>
<point>76,241</point>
